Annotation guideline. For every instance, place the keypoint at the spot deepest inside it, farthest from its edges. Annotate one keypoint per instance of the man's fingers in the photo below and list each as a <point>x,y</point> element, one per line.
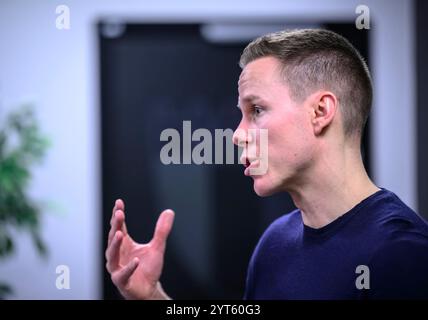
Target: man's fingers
<point>117,224</point>
<point>121,277</point>
<point>114,225</point>
<point>118,205</point>
<point>163,228</point>
<point>113,252</point>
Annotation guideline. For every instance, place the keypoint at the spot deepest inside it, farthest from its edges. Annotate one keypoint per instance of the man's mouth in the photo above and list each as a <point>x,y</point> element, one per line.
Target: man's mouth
<point>251,166</point>
<point>247,163</point>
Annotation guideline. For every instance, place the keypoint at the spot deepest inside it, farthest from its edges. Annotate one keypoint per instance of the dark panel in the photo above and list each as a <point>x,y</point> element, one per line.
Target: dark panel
<point>422,110</point>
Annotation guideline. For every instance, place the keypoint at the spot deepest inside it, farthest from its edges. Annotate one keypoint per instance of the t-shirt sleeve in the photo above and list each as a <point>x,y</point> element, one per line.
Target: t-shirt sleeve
<point>399,270</point>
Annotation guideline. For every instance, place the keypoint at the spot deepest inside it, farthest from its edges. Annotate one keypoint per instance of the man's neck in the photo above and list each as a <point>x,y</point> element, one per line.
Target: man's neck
<point>332,189</point>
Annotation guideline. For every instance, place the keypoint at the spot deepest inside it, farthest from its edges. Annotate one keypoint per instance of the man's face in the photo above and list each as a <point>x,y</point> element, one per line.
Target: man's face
<point>265,103</point>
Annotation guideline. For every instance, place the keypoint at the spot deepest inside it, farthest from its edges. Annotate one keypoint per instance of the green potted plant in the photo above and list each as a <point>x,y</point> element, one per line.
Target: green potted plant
<point>21,146</point>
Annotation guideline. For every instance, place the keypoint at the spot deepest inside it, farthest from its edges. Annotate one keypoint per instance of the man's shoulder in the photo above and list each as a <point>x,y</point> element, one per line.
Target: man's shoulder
<point>394,220</point>
<point>399,258</point>
<point>399,268</point>
<point>403,231</point>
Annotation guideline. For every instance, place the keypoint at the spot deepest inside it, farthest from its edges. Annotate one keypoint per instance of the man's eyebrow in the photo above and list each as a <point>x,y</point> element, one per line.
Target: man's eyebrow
<point>250,98</point>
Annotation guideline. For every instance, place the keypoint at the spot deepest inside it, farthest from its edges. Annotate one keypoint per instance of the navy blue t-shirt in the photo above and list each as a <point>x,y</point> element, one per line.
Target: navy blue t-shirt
<point>381,234</point>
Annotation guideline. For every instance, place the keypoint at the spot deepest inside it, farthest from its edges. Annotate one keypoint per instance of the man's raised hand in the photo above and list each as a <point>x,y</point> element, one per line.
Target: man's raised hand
<point>135,268</point>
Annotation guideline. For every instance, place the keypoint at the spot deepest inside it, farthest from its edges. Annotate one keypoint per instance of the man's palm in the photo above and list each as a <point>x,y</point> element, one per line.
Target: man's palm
<point>136,268</point>
<point>143,281</point>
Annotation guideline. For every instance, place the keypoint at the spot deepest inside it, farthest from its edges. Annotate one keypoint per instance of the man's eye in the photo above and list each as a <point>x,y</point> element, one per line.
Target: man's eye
<point>257,110</point>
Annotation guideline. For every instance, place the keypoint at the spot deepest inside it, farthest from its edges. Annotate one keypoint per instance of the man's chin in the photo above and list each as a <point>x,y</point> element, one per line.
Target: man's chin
<point>263,189</point>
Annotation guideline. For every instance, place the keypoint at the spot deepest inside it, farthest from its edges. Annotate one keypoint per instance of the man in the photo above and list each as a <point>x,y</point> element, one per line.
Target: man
<point>348,239</point>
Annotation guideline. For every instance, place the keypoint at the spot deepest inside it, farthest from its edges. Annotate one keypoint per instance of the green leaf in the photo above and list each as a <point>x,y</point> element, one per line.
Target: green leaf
<point>5,290</point>
<point>6,245</point>
<point>40,244</point>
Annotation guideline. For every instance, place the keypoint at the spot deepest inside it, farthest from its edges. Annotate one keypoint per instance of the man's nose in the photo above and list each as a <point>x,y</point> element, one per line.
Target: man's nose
<point>241,137</point>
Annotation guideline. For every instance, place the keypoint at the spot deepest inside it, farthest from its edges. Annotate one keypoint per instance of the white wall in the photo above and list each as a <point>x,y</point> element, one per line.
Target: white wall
<point>58,71</point>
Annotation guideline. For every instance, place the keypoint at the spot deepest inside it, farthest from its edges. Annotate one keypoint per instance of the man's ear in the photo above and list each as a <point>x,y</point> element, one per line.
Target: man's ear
<point>324,109</point>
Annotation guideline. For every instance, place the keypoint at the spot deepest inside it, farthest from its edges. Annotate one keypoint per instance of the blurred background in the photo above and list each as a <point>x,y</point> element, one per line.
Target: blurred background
<point>86,88</point>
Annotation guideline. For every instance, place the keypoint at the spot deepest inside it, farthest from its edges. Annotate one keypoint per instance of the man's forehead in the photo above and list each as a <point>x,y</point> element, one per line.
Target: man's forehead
<point>249,78</point>
<point>250,84</point>
<point>241,79</point>
<point>258,79</point>
<point>262,70</point>
<point>250,89</point>
<point>249,74</point>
